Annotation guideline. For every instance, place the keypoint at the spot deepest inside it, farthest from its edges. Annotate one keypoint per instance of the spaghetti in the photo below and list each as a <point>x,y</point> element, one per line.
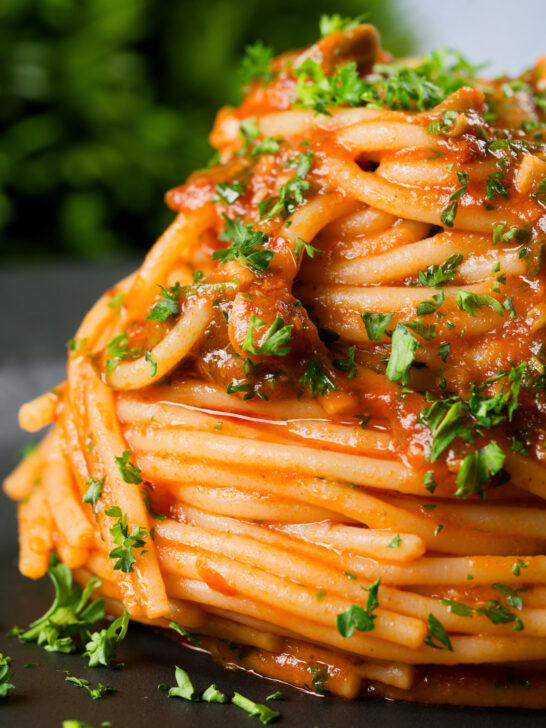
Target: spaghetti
<point>312,423</point>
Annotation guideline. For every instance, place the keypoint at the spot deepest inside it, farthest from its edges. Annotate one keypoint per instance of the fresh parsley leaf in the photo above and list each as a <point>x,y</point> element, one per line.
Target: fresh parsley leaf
<point>118,349</point>
<point>520,564</point>
<point>348,365</point>
<point>404,346</point>
<point>116,302</point>
<point>331,23</point>
<point>228,192</point>
<point>502,235</point>
<point>446,423</point>
<point>248,131</point>
<point>195,639</point>
<point>94,492</point>
<point>496,613</point>
<point>184,687</point>
<point>263,712</point>
<point>435,275</point>
<point>429,481</point>
<point>5,676</point>
<point>443,350</point>
<point>316,379</point>
<point>444,123</point>
<point>511,595</point>
<point>395,543</point>
<point>320,678</point>
<point>152,362</point>
<point>269,145</point>
<point>425,308</point>
<point>101,648</point>
<point>376,324</point>
<point>477,470</point>
<point>256,63</point>
<point>125,541</point>
<point>458,608</point>
<point>277,695</point>
<point>496,185</point>
<point>291,194</point>
<point>437,632</point>
<point>277,340</point>
<point>427,331</point>
<point>167,305</point>
<point>449,213</point>
<point>128,471</point>
<point>71,614</point>
<point>309,249</point>
<point>246,246</point>
<point>472,302</point>
<point>356,617</point>
<point>95,693</point>
<point>213,695</point>
<point>540,192</point>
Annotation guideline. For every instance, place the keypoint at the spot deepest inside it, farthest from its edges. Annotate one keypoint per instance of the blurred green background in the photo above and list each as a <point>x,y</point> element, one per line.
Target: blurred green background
<point>105,104</point>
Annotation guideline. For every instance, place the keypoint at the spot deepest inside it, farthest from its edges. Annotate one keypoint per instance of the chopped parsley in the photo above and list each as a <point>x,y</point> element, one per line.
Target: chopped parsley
<point>443,350</point>
<point>444,123</point>
<point>5,676</point>
<point>276,341</point>
<point>315,378</point>
<point>118,350</point>
<point>213,695</point>
<point>228,192</point>
<point>435,275</point>
<point>195,639</point>
<point>404,346</point>
<point>347,365</point>
<point>472,302</point>
<point>309,249</point>
<point>502,235</point>
<point>94,693</point>
<point>496,185</point>
<point>477,470</point>
<point>395,543</point>
<point>128,471</point>
<point>263,712</point>
<point>319,680</point>
<point>291,194</point>
<point>246,246</point>
<point>277,695</point>
<point>520,564</point>
<point>458,608</point>
<point>167,305</point>
<point>330,23</point>
<point>256,63</point>
<point>71,614</point>
<point>184,687</point>
<point>125,541</point>
<point>152,362</point>
<point>425,308</point>
<point>356,617</point>
<point>376,324</point>
<point>436,631</point>
<point>101,648</point>
<point>94,492</point>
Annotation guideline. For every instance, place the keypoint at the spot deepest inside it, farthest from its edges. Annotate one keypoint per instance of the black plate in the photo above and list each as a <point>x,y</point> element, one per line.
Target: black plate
<point>39,311</point>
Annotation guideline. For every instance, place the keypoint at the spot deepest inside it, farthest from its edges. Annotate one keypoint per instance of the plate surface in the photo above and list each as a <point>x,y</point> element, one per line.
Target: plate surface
<point>39,310</point>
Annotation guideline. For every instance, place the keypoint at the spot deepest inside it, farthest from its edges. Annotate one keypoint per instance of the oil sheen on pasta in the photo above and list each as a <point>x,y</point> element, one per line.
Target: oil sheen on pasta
<point>328,374</point>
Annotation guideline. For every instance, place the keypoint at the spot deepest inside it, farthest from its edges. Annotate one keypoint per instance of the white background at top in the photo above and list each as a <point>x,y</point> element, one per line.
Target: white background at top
<point>510,34</point>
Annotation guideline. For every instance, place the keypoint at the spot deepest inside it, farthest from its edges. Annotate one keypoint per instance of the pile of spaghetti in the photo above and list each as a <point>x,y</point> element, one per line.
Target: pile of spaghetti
<point>311,427</point>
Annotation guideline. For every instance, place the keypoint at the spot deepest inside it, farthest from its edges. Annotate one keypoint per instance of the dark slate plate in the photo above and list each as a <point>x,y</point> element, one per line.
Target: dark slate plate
<point>39,311</point>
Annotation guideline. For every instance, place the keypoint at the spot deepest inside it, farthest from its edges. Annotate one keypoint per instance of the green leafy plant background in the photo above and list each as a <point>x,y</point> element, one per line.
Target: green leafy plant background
<point>105,104</point>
